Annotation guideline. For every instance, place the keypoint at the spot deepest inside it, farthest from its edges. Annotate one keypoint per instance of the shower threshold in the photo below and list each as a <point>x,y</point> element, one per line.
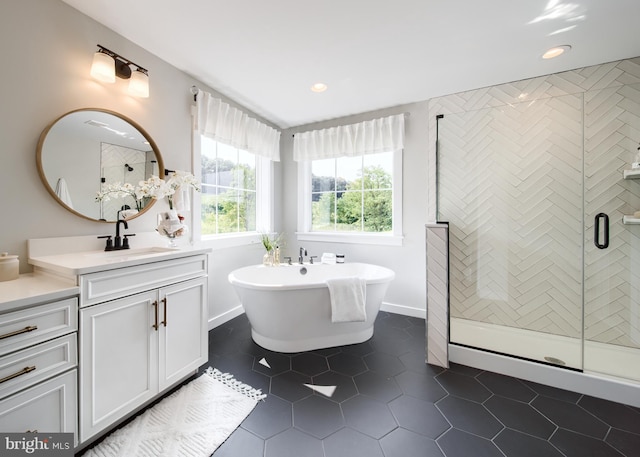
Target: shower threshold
<point>603,359</point>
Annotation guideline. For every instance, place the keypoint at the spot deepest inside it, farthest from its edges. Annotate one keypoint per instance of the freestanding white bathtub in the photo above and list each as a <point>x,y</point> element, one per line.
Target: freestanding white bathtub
<point>289,308</point>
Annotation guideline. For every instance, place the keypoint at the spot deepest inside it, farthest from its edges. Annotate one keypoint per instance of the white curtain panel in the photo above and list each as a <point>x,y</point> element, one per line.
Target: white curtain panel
<point>222,122</point>
<point>370,137</point>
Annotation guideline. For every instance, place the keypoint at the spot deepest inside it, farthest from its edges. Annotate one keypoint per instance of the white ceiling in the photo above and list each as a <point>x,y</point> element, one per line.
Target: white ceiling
<point>372,54</point>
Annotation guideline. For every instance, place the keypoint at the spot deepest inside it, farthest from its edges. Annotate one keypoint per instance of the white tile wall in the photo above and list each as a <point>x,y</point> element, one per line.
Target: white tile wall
<point>112,161</point>
<point>511,164</point>
<point>437,242</point>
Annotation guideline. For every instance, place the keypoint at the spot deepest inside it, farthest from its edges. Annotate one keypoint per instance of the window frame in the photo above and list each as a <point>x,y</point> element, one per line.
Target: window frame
<point>264,204</point>
<point>304,232</point>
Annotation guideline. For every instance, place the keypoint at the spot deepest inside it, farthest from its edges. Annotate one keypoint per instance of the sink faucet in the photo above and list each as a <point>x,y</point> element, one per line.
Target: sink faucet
<point>303,252</point>
<point>117,242</point>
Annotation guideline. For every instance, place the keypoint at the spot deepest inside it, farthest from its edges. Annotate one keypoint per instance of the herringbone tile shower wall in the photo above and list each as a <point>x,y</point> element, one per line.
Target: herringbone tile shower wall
<point>512,193</point>
<point>523,166</point>
<point>112,161</point>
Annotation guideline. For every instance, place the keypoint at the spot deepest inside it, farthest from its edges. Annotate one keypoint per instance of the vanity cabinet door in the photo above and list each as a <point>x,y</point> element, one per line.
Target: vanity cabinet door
<point>118,360</point>
<point>48,407</point>
<point>183,336</point>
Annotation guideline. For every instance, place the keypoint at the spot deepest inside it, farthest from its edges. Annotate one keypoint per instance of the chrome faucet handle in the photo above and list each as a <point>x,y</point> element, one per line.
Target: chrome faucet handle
<point>288,259</point>
<point>311,258</point>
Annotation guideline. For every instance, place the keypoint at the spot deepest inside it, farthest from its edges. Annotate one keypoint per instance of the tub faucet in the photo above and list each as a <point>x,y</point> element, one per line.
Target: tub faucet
<point>303,252</point>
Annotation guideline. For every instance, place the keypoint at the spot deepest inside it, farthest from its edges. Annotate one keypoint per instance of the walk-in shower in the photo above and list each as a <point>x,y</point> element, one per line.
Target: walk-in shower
<point>542,266</point>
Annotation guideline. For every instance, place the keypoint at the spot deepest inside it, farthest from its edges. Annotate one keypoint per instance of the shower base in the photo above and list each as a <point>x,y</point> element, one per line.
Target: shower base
<point>600,363</point>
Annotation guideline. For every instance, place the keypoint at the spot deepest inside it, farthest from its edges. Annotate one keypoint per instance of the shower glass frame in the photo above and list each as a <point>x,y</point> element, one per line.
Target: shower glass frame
<point>521,185</point>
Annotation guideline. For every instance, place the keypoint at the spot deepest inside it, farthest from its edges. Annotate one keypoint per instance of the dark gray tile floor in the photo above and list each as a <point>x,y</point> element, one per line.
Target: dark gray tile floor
<point>389,403</point>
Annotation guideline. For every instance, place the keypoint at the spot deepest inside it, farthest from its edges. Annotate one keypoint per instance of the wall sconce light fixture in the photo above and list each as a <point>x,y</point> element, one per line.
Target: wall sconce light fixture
<point>107,65</point>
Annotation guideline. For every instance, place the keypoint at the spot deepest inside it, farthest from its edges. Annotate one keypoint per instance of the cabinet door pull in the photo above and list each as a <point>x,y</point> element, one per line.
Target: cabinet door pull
<point>164,302</point>
<point>155,306</point>
<point>30,328</point>
<point>25,370</point>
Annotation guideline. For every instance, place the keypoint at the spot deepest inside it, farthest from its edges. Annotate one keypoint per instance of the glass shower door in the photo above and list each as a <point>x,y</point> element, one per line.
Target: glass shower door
<point>510,185</point>
<point>612,247</point>
<point>544,242</point>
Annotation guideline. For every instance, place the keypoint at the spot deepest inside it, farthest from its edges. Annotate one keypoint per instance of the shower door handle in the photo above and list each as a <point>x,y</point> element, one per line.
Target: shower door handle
<point>596,234</point>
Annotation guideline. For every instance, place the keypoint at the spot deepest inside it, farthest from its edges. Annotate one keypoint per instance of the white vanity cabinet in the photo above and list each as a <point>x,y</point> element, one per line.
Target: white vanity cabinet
<point>38,356</point>
<point>142,330</point>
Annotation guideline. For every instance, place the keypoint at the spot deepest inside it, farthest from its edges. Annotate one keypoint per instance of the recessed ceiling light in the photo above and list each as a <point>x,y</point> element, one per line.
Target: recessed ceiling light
<point>319,87</point>
<point>555,52</point>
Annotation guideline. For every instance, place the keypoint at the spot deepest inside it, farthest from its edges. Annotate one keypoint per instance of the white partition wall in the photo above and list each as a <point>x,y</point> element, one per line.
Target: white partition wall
<point>437,243</point>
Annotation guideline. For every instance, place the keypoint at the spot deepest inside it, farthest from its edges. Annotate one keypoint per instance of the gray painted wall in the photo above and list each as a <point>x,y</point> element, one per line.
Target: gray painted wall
<point>47,49</point>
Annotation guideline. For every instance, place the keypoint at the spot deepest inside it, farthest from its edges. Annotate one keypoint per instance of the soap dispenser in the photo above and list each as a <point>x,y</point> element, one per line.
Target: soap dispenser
<point>276,257</point>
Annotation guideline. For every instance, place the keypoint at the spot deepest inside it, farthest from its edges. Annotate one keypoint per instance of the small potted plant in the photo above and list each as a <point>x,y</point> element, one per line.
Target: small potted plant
<point>271,246</point>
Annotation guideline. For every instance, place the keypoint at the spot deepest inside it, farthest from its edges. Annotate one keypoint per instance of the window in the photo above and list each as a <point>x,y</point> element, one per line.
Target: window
<point>352,194</point>
<point>233,154</point>
<point>350,179</point>
<point>235,197</point>
<point>352,199</point>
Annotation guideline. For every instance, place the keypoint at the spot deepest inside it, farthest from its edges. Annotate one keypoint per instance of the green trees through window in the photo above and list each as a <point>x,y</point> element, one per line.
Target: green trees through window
<point>348,194</point>
<point>228,202</point>
<point>363,203</point>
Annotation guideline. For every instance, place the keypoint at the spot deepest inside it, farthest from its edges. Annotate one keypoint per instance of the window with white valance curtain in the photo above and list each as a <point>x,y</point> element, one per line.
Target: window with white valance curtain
<point>226,124</point>
<point>370,137</point>
<point>233,155</point>
<point>350,182</point>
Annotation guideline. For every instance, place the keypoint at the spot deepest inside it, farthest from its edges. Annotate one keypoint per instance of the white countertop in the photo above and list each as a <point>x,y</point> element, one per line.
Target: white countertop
<point>30,289</point>
<point>79,263</point>
<point>73,256</point>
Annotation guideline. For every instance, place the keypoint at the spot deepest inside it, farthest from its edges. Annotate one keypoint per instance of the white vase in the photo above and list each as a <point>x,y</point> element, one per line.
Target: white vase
<point>267,259</point>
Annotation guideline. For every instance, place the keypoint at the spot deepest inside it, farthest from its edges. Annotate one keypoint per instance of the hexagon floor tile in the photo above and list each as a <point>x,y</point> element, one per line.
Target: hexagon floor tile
<point>389,403</point>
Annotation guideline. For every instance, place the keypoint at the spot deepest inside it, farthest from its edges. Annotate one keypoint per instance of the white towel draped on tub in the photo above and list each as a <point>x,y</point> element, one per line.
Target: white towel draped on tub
<point>348,296</point>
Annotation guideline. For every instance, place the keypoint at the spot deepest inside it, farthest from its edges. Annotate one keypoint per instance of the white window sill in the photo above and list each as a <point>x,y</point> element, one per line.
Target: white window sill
<point>351,238</point>
<point>230,240</point>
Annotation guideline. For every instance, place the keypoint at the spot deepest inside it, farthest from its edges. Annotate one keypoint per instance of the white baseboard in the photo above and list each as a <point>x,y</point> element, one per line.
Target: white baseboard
<point>224,317</point>
<point>404,310</point>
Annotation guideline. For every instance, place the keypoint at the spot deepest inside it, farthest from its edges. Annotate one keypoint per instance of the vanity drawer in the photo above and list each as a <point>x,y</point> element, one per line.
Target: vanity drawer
<point>24,368</point>
<point>109,285</point>
<point>27,327</point>
<point>48,407</point>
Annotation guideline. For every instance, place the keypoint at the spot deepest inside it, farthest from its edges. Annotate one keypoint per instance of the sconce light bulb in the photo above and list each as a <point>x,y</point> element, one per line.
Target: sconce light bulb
<point>103,67</point>
<point>139,84</point>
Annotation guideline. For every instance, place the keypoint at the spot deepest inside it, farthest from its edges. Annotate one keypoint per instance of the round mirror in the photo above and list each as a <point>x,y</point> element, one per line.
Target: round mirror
<point>88,151</point>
